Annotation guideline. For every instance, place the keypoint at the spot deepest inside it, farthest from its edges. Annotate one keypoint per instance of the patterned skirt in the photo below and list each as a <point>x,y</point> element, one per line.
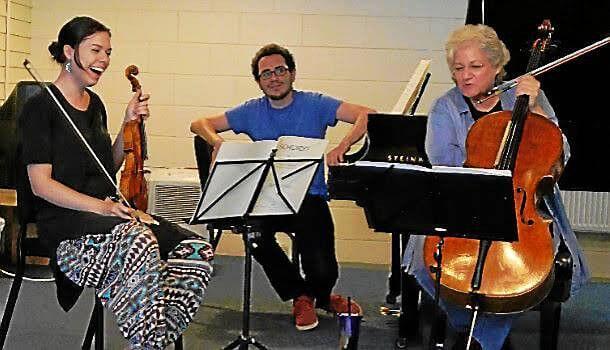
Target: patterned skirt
<point>153,300</point>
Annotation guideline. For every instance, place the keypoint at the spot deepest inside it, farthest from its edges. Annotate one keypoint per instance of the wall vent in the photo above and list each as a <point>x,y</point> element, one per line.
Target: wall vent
<point>588,211</point>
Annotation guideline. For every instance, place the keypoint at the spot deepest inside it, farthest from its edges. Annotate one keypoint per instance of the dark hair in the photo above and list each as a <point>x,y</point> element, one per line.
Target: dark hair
<point>73,33</point>
<point>268,50</point>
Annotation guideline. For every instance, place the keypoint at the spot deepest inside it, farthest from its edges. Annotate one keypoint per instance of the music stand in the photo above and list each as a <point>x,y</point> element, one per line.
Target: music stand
<point>443,201</point>
<point>271,186</point>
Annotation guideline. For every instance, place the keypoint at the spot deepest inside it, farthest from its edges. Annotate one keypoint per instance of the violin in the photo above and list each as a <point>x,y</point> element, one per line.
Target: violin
<point>133,182</point>
<point>506,277</point>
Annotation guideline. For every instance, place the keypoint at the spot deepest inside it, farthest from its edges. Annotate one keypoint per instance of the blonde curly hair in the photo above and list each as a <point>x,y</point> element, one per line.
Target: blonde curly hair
<point>488,41</point>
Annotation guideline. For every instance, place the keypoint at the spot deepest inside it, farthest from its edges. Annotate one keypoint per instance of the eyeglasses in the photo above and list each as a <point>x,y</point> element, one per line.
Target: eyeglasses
<point>278,71</point>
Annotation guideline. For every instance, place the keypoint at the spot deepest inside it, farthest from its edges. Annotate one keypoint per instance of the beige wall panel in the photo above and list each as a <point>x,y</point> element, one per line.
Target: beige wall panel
<point>243,5</point>
<point>437,8</point>
<point>19,44</point>
<point>263,29</point>
<point>170,152</point>
<point>366,252</point>
<point>342,31</point>
<point>16,75</point>
<point>3,24</point>
<point>167,121</point>
<point>20,11</point>
<point>351,63</point>
<point>49,16</point>
<point>15,59</point>
<point>209,27</point>
<point>350,223</point>
<point>323,7</point>
<point>179,58</point>
<point>146,25</point>
<point>3,77</point>
<point>40,56</point>
<point>231,60</point>
<point>159,5</point>
<point>438,67</point>
<point>3,8</point>
<point>199,112</point>
<point>20,27</point>
<point>401,32</point>
<point>379,95</point>
<point>230,244</point>
<point>247,88</point>
<point>2,58</point>
<point>440,29</point>
<point>125,54</point>
<point>215,91</point>
<point>335,134</point>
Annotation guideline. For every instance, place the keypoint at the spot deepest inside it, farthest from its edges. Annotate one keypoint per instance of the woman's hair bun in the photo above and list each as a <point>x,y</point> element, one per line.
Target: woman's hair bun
<point>56,51</point>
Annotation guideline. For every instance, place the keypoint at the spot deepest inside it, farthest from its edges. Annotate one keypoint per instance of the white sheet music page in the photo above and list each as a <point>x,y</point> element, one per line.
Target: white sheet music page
<point>217,202</point>
<point>294,177</point>
<point>437,168</point>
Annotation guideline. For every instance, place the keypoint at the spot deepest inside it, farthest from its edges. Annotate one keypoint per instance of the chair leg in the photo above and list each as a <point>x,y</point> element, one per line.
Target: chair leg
<point>550,318</point>
<point>10,307</point>
<point>178,343</point>
<point>96,327</point>
<point>15,287</point>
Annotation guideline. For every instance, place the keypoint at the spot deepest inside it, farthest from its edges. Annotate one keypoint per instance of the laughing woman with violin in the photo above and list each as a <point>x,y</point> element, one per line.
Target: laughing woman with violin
<point>476,58</point>
<point>152,278</point>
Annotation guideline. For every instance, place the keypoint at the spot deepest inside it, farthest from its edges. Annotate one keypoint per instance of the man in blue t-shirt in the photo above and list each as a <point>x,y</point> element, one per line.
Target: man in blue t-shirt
<point>284,111</point>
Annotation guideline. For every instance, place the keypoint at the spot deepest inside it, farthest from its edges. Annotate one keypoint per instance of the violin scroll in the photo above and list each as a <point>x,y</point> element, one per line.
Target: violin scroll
<point>130,73</point>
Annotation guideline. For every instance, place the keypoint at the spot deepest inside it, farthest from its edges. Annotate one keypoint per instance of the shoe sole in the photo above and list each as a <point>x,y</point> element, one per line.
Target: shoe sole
<point>307,326</point>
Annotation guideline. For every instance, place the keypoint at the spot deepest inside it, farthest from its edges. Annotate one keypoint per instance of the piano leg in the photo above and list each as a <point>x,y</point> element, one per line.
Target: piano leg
<point>408,321</point>
<point>395,273</point>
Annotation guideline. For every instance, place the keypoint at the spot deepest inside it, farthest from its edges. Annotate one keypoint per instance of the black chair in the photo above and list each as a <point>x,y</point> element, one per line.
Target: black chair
<point>549,308</point>
<point>203,156</point>
<point>30,246</point>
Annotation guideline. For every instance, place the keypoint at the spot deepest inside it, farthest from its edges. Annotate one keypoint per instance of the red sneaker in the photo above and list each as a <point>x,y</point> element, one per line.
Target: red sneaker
<point>305,317</point>
<point>338,305</point>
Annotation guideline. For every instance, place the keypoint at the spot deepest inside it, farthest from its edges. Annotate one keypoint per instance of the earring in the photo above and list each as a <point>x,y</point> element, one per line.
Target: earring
<point>68,67</point>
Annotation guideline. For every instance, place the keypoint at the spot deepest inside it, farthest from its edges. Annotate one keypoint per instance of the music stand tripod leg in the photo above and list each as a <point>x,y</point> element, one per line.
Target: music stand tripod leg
<point>244,339</point>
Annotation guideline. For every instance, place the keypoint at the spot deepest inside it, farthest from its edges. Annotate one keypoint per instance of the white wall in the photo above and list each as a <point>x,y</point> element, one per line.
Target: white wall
<point>195,55</point>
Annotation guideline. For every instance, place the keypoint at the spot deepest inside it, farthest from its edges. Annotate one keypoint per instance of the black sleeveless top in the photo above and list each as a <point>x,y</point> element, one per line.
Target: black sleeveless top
<point>476,114</point>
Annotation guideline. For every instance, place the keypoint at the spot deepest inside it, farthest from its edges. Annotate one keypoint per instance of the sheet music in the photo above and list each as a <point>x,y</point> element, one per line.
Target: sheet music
<point>225,175</point>
<point>294,177</point>
<point>239,168</point>
<point>437,168</point>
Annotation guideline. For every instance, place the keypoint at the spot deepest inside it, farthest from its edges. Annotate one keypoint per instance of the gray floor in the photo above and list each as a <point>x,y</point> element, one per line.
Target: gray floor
<point>39,323</point>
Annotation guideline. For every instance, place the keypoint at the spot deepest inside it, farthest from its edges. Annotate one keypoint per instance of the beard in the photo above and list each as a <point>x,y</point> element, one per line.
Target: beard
<point>280,96</point>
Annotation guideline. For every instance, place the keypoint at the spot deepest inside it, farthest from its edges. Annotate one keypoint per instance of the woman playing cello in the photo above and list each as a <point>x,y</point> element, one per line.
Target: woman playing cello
<point>476,58</point>
<point>152,279</point>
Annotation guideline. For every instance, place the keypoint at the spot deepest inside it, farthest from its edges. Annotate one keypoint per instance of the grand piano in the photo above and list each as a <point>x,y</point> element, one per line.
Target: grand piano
<point>398,138</point>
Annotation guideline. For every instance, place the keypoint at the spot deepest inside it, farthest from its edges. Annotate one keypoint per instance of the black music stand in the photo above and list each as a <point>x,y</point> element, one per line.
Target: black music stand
<point>441,201</point>
<point>261,183</point>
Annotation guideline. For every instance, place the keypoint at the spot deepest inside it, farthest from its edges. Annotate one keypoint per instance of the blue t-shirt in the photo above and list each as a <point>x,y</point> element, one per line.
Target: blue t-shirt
<point>309,115</point>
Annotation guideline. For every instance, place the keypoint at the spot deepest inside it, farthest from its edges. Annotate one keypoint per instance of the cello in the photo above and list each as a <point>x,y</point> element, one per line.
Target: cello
<point>133,182</point>
<point>508,277</point>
